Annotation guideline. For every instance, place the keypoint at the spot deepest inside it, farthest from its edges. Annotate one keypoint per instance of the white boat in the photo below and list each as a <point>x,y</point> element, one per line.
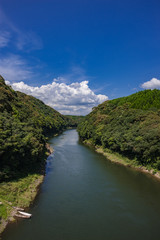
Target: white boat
<point>27,215</point>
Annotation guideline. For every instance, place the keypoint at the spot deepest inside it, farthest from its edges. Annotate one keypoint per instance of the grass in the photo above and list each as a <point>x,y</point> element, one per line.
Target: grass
<point>18,193</point>
<point>3,211</point>
<point>116,157</point>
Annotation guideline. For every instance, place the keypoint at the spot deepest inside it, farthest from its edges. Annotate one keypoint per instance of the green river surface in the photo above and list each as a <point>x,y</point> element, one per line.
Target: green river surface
<point>86,197</point>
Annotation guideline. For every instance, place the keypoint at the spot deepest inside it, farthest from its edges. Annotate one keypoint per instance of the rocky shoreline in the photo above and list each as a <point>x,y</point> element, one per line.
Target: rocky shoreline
<point>49,149</point>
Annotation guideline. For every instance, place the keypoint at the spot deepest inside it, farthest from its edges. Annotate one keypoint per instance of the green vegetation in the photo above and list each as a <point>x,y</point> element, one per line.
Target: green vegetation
<point>73,121</point>
<point>147,99</point>
<point>129,126</point>
<point>20,192</point>
<point>25,124</point>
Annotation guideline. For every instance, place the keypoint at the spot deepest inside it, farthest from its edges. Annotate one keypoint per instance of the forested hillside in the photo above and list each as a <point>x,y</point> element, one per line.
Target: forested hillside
<point>128,125</point>
<point>25,122</point>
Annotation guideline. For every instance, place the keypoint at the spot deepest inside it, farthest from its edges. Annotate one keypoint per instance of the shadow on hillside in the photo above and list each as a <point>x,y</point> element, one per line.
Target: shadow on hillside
<point>9,175</point>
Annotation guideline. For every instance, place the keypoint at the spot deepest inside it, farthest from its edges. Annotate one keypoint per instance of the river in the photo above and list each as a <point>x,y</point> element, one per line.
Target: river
<point>86,197</point>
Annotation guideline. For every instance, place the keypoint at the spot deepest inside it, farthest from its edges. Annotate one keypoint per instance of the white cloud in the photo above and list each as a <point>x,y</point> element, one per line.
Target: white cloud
<point>76,98</point>
<point>4,38</point>
<point>14,68</point>
<point>153,83</point>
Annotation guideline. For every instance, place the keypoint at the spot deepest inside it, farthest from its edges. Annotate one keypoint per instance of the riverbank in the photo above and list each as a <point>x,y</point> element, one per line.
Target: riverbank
<point>119,159</point>
<point>18,193</point>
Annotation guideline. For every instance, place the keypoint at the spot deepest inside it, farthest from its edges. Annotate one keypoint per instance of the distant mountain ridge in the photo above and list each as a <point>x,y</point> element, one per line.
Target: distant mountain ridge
<point>128,125</point>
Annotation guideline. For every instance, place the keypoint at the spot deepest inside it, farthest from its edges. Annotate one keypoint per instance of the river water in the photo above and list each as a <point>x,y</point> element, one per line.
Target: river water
<point>86,197</point>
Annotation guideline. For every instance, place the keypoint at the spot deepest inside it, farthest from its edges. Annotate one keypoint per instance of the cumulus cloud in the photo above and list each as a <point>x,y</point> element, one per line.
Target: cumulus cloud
<point>4,38</point>
<point>76,98</point>
<point>14,68</point>
<point>153,83</point>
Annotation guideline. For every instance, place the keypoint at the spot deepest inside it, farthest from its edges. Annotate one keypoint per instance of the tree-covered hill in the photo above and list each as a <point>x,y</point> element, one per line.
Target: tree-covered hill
<point>25,122</point>
<point>128,125</point>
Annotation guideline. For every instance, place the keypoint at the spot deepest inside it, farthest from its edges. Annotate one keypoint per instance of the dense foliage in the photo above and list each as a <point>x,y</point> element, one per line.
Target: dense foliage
<point>25,122</point>
<point>73,121</point>
<point>128,125</point>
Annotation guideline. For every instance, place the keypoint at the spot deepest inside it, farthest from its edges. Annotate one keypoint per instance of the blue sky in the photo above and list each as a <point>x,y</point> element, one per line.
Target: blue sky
<point>82,52</point>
